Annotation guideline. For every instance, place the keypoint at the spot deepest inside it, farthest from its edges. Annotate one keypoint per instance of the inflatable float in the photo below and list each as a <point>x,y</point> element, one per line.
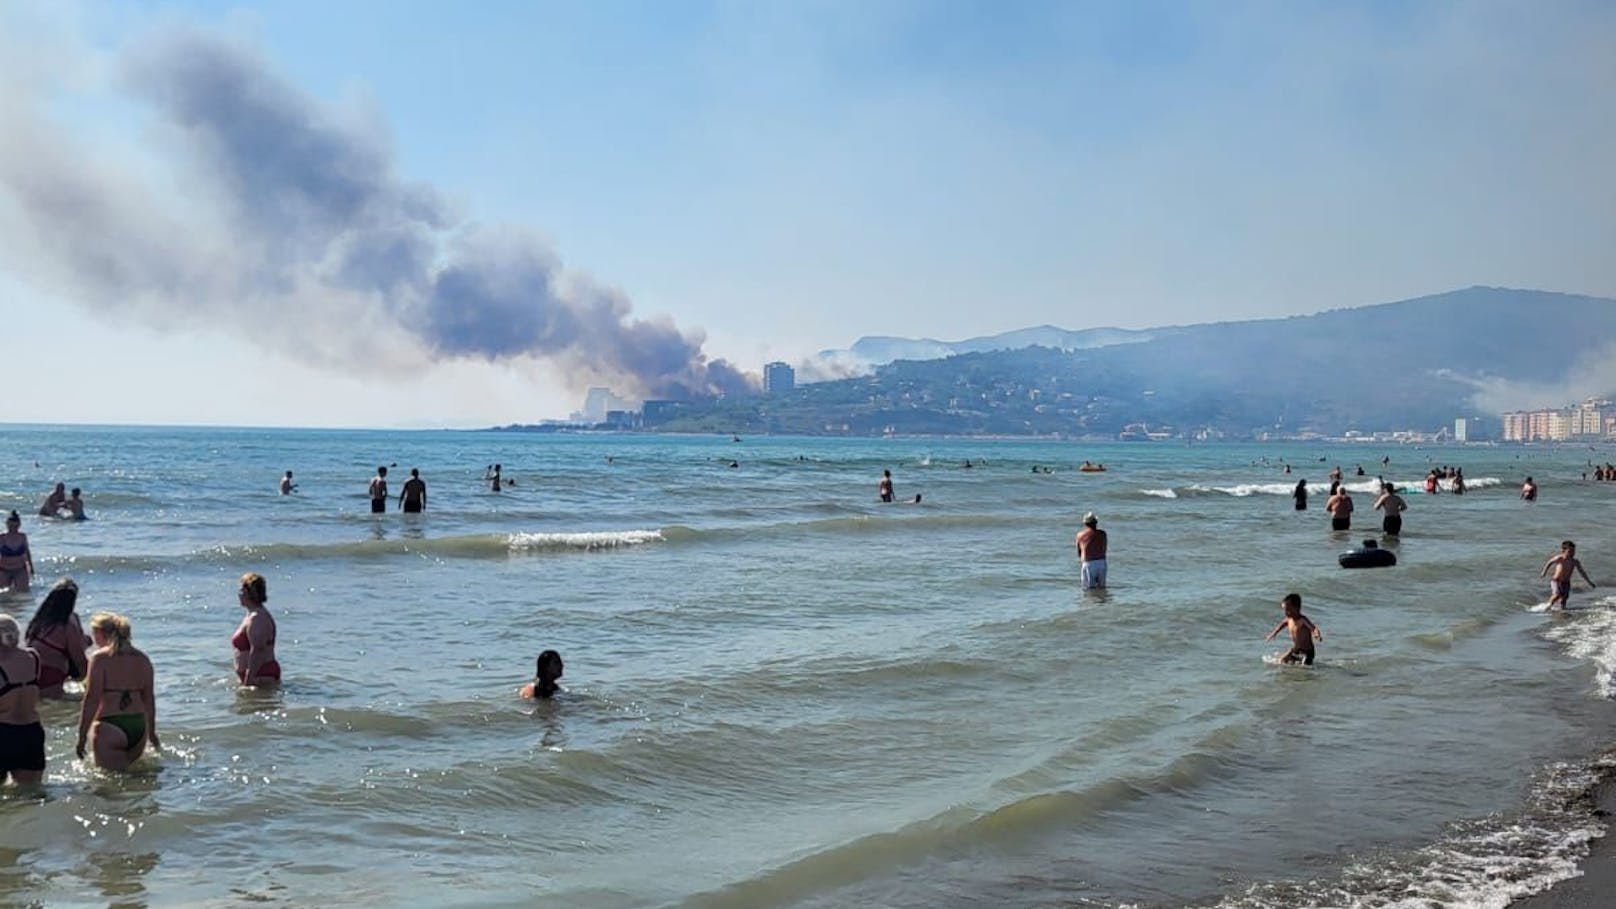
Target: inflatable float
<point>1092,468</point>
<point>1370,555</point>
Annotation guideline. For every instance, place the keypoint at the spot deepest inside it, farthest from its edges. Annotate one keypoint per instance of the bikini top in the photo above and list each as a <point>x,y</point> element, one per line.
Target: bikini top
<point>8,553</point>
<point>39,640</point>
<point>11,686</point>
<point>240,642</point>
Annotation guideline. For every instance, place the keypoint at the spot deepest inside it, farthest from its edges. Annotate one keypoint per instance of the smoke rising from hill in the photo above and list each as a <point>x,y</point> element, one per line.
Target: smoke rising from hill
<point>278,217</point>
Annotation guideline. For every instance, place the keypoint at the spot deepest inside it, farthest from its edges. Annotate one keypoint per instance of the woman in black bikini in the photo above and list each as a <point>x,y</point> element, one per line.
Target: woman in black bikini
<point>119,706</point>
<point>56,635</point>
<point>22,738</point>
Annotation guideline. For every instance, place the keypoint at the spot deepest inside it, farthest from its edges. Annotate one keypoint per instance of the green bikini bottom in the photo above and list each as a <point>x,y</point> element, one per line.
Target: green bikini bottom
<point>133,726</point>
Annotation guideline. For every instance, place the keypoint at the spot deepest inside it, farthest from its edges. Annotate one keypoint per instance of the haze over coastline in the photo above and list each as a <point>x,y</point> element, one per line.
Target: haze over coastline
<point>311,216</point>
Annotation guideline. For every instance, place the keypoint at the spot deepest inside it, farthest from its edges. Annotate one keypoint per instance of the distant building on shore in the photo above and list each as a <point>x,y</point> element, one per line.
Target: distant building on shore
<point>1592,419</point>
<point>598,402</point>
<point>778,378</point>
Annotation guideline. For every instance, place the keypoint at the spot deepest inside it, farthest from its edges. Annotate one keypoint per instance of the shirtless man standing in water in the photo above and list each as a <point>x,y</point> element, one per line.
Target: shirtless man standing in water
<point>1340,508</point>
<point>1091,543</point>
<point>1394,506</point>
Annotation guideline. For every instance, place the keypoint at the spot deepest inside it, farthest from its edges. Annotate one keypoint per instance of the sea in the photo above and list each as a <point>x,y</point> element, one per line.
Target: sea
<point>780,692</point>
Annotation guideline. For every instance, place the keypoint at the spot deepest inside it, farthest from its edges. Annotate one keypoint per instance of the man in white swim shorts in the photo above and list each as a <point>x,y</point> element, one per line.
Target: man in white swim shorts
<point>1091,552</point>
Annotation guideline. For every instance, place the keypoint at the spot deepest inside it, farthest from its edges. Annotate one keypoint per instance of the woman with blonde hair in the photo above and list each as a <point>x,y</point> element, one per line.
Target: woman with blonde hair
<point>119,715</point>
<point>254,640</point>
<point>22,738</point>
<point>56,635</point>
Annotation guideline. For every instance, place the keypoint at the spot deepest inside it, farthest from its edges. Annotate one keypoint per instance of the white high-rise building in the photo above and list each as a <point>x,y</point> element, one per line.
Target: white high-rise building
<point>598,402</point>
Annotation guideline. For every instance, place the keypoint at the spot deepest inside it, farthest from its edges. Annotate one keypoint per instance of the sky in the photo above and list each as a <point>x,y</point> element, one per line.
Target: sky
<point>431,214</point>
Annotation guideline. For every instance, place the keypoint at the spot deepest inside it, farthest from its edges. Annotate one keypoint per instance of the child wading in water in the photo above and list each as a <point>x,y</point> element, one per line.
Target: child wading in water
<point>1564,564</point>
<point>1303,631</point>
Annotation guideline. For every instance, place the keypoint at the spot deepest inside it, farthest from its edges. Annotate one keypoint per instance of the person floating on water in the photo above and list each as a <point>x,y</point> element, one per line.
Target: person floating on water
<point>1529,490</point>
<point>1091,545</point>
<point>546,671</point>
<point>1303,631</point>
<point>287,486</point>
<point>1393,505</point>
<point>883,489</point>
<point>378,491</point>
<point>1564,563</point>
<point>412,499</point>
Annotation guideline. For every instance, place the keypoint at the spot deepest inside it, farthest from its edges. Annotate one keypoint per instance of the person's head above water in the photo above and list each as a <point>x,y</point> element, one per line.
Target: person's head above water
<point>1091,519</point>
<point>549,666</point>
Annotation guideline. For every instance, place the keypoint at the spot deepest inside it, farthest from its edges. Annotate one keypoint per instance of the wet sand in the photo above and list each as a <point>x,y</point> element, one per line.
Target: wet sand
<point>1595,888</point>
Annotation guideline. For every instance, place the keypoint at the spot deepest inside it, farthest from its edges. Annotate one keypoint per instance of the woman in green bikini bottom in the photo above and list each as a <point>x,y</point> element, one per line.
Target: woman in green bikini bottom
<point>120,713</point>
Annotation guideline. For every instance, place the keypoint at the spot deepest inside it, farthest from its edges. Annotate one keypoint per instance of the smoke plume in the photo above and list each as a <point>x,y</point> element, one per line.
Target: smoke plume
<point>274,215</point>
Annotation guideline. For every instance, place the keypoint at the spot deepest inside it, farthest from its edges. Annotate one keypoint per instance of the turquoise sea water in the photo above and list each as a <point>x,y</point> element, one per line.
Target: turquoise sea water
<point>782,693</point>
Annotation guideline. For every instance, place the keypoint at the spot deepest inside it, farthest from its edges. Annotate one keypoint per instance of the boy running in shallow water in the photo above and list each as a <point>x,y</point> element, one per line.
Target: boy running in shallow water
<point>1564,563</point>
<point>1303,631</point>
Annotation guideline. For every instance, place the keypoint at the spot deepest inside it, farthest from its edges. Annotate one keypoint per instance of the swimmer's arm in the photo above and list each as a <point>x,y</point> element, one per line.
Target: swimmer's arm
<point>1277,629</point>
<point>150,698</point>
<point>1585,574</point>
<point>1547,565</point>
<point>91,703</point>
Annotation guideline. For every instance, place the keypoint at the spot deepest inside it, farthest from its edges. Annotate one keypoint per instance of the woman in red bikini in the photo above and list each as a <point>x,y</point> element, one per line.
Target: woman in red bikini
<point>56,635</point>
<point>119,716</point>
<point>254,640</point>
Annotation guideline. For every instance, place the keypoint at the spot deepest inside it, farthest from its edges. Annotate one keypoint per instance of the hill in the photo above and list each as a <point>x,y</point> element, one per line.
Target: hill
<point>1411,364</point>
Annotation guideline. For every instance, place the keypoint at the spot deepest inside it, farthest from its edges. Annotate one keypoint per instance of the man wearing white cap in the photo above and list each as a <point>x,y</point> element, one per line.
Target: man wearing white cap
<point>1091,552</point>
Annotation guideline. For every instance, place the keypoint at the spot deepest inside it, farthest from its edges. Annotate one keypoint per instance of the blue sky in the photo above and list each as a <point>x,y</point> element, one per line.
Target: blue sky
<point>769,179</point>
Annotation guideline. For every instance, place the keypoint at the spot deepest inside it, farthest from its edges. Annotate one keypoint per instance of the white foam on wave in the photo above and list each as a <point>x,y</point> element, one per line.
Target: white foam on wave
<point>1487,863</point>
<point>1160,493</point>
<point>1365,485</point>
<point>1591,636</point>
<point>593,540</point>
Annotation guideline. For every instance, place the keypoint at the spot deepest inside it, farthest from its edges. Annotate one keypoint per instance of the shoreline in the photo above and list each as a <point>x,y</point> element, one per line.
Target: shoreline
<point>1595,882</point>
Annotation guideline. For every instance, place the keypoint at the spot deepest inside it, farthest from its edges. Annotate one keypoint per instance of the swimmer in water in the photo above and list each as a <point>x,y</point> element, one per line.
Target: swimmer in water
<point>548,669</point>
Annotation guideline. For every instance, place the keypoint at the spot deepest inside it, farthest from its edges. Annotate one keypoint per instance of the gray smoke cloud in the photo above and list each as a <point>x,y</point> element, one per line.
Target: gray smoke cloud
<point>267,212</point>
<point>1592,374</point>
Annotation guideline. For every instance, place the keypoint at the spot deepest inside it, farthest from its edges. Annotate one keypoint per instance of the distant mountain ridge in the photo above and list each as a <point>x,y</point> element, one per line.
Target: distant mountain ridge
<point>876,350</point>
<point>1414,364</point>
